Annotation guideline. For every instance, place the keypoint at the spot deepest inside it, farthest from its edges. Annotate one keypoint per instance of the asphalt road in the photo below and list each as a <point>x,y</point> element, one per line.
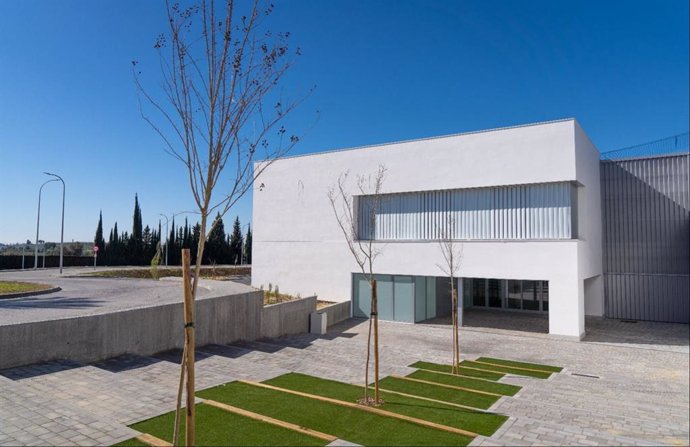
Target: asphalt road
<point>92,295</point>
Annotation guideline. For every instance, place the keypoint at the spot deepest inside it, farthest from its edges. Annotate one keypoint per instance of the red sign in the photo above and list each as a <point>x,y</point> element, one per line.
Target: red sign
<point>95,248</point>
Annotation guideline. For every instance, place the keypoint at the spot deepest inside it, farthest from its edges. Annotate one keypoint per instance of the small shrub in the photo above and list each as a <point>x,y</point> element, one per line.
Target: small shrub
<point>155,262</point>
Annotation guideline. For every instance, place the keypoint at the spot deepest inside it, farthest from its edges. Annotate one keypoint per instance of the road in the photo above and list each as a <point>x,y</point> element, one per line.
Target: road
<point>91,295</point>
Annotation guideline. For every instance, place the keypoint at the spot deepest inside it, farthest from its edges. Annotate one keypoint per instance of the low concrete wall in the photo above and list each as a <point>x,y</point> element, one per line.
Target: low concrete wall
<point>337,312</point>
<point>288,318</point>
<point>145,331</point>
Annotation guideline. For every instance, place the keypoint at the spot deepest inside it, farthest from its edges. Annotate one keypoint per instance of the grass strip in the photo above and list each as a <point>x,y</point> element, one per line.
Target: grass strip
<point>491,375</point>
<point>349,424</point>
<point>481,385</point>
<point>218,427</point>
<point>9,287</point>
<point>506,369</point>
<point>482,401</point>
<point>261,417</point>
<point>475,421</point>
<point>469,390</point>
<point>546,368</point>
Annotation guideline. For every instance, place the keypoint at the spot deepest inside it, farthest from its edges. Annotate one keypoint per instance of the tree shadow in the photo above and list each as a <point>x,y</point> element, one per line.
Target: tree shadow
<point>51,302</point>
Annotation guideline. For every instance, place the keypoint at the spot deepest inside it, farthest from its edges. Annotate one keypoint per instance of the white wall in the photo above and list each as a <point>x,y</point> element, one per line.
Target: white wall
<point>299,246</point>
<point>590,255</point>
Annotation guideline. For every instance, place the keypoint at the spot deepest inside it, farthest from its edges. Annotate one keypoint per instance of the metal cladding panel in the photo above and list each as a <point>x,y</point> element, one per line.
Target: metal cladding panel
<point>536,211</point>
<point>646,223</point>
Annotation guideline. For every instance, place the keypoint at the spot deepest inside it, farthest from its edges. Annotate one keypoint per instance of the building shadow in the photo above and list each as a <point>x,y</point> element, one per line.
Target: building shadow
<point>649,334</point>
<point>39,369</point>
<point>506,320</point>
<point>126,362</point>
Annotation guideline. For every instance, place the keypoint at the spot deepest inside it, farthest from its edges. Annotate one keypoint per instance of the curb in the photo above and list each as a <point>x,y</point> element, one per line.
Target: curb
<point>32,293</point>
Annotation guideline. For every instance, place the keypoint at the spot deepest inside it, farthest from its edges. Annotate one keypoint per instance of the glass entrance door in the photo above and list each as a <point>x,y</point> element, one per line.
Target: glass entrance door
<point>495,293</point>
<point>479,292</point>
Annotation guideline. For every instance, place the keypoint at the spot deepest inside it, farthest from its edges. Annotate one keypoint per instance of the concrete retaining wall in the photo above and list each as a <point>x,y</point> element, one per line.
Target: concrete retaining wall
<point>144,331</point>
<point>337,312</point>
<point>288,318</point>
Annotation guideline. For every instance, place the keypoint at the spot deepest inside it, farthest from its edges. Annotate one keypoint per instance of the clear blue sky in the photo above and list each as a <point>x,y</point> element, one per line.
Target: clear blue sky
<point>385,71</point>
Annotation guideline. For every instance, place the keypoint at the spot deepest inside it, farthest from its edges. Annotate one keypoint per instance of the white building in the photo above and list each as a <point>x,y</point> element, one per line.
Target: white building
<point>525,199</point>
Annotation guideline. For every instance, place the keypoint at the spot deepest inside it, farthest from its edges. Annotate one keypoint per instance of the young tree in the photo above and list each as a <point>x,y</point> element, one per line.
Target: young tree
<point>452,256</point>
<point>220,110</point>
<point>236,242</point>
<point>363,249</point>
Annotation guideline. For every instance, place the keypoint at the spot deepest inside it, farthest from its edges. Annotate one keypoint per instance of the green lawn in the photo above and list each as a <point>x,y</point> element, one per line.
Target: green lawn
<point>17,287</point>
<point>474,421</point>
<point>483,385</point>
<point>464,371</point>
<point>547,368</point>
<point>507,370</point>
<point>218,427</point>
<point>350,424</point>
<point>475,400</point>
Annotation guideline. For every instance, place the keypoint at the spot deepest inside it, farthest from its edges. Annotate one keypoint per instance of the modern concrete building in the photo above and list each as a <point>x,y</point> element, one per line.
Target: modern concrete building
<point>526,208</point>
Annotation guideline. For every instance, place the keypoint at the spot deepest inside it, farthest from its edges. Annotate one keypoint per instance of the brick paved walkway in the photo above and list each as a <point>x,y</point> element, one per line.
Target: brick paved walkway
<point>640,397</point>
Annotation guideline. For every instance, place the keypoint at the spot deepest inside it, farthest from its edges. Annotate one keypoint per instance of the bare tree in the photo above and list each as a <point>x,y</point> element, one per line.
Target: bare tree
<point>217,106</point>
<point>363,250</point>
<point>452,256</point>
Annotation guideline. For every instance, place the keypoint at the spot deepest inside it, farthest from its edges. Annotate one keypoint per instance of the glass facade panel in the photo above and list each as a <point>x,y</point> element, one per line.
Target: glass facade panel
<point>514,294</point>
<point>419,298</point>
<point>495,287</point>
<point>384,290</point>
<point>404,299</point>
<point>362,296</point>
<point>479,292</point>
<point>544,296</point>
<point>529,295</point>
<point>431,298</point>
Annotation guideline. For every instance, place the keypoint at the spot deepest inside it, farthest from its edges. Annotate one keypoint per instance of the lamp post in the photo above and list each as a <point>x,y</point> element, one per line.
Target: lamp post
<point>167,235</point>
<point>62,227</point>
<point>38,220</point>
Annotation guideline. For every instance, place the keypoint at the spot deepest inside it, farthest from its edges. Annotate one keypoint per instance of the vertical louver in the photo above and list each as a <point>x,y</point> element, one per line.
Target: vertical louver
<point>537,211</point>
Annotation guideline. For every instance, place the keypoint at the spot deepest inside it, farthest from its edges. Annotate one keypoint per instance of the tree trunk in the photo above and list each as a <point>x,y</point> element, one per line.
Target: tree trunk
<point>456,335</point>
<point>375,313</point>
<point>189,347</point>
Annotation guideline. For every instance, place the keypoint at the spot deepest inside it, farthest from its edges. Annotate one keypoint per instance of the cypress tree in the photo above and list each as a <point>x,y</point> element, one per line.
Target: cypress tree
<point>98,240</point>
<point>248,246</point>
<point>135,244</point>
<point>216,245</point>
<point>236,242</point>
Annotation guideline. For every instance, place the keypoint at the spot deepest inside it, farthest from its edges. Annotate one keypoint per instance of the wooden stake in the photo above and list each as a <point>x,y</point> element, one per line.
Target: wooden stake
<point>152,440</point>
<point>375,308</point>
<point>189,345</point>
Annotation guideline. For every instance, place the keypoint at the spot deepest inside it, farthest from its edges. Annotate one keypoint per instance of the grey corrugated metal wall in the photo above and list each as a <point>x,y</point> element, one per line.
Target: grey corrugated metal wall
<point>536,211</point>
<point>646,230</point>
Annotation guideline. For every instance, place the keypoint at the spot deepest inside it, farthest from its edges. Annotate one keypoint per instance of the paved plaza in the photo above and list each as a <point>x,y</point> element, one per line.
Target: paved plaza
<point>81,295</point>
<point>628,386</point>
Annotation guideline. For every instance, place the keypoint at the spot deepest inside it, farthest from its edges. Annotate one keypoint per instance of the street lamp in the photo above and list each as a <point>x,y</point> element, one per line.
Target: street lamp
<point>167,233</point>
<point>38,220</point>
<point>62,228</point>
